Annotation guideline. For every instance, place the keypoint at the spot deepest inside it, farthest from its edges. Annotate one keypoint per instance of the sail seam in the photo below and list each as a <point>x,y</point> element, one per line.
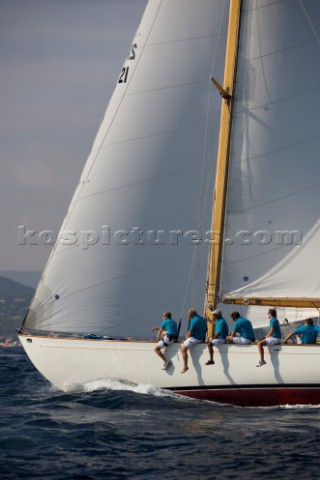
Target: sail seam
<point>271,152</point>
<point>143,137</point>
<point>178,40</point>
<point>128,274</point>
<point>260,7</point>
<point>240,260</point>
<point>143,225</point>
<point>282,198</point>
<point>160,89</point>
<point>277,52</point>
<point>275,102</point>
<point>149,180</point>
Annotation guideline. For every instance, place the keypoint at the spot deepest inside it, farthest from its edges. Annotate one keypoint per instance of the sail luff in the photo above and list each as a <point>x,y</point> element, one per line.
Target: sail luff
<point>223,156</point>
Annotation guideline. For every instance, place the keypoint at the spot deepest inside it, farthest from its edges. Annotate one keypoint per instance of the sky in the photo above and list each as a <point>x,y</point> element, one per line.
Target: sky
<point>59,63</point>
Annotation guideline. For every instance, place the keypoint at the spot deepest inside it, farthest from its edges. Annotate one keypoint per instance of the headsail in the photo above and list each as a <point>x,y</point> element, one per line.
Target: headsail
<point>126,245</point>
<point>272,213</point>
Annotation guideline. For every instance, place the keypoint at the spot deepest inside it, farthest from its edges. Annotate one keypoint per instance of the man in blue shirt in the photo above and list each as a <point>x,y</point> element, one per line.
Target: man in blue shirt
<point>273,337</point>
<point>195,334</point>
<point>221,332</point>
<point>242,326</point>
<point>309,332</point>
<point>167,333</point>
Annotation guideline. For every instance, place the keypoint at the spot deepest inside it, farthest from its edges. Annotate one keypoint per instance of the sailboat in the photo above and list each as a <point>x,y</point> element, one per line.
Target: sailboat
<point>142,234</point>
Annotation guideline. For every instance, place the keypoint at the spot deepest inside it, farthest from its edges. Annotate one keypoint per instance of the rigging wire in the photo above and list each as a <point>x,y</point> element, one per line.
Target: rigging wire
<point>206,179</point>
<point>309,20</point>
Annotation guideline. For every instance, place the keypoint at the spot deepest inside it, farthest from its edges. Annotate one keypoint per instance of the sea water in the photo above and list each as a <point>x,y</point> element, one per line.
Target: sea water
<point>113,430</point>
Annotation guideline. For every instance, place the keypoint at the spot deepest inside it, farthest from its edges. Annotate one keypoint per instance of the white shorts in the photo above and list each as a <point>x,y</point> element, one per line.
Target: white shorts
<point>218,341</point>
<point>165,341</point>
<point>242,340</point>
<point>273,340</point>
<point>190,342</point>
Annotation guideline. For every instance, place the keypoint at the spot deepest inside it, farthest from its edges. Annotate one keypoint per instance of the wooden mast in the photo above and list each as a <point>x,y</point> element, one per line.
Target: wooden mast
<point>222,159</point>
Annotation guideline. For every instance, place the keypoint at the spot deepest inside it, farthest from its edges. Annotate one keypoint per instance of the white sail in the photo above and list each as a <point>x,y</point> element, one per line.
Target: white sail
<point>287,277</point>
<point>271,224</point>
<point>127,243</point>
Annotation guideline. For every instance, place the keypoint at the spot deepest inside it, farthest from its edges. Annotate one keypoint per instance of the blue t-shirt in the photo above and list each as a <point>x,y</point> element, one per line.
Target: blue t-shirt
<point>244,327</point>
<point>170,326</point>
<point>309,333</point>
<point>198,327</point>
<point>274,323</point>
<point>222,328</point>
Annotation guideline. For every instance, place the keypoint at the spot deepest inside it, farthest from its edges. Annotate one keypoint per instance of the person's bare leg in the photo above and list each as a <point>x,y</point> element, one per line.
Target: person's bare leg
<point>210,348</point>
<point>261,352</point>
<point>184,354</point>
<point>260,348</point>
<point>160,354</point>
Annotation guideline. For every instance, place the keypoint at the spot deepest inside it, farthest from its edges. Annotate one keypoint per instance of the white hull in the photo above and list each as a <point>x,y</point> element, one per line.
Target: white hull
<point>68,362</point>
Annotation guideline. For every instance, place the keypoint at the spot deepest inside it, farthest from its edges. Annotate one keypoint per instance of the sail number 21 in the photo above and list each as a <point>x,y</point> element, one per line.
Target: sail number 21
<point>124,72</point>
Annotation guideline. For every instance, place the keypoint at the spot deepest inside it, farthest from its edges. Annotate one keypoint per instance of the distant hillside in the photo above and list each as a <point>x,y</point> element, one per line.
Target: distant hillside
<point>15,299</point>
<point>10,288</point>
<point>30,279</point>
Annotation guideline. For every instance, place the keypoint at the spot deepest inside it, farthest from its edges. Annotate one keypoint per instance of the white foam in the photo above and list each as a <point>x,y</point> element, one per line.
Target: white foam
<point>299,406</point>
<point>117,385</point>
<point>285,407</point>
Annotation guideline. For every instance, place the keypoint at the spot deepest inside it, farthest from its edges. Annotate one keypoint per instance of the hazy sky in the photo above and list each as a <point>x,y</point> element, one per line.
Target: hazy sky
<point>59,63</point>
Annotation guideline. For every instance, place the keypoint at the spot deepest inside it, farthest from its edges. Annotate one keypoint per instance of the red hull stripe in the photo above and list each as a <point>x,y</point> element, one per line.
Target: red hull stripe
<point>263,396</point>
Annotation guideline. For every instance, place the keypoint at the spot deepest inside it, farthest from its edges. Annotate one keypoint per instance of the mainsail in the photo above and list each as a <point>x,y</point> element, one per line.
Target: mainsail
<point>128,241</point>
<point>271,233</point>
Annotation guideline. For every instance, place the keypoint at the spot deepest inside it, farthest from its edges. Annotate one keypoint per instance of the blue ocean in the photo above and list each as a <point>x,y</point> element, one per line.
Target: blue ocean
<point>113,430</point>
